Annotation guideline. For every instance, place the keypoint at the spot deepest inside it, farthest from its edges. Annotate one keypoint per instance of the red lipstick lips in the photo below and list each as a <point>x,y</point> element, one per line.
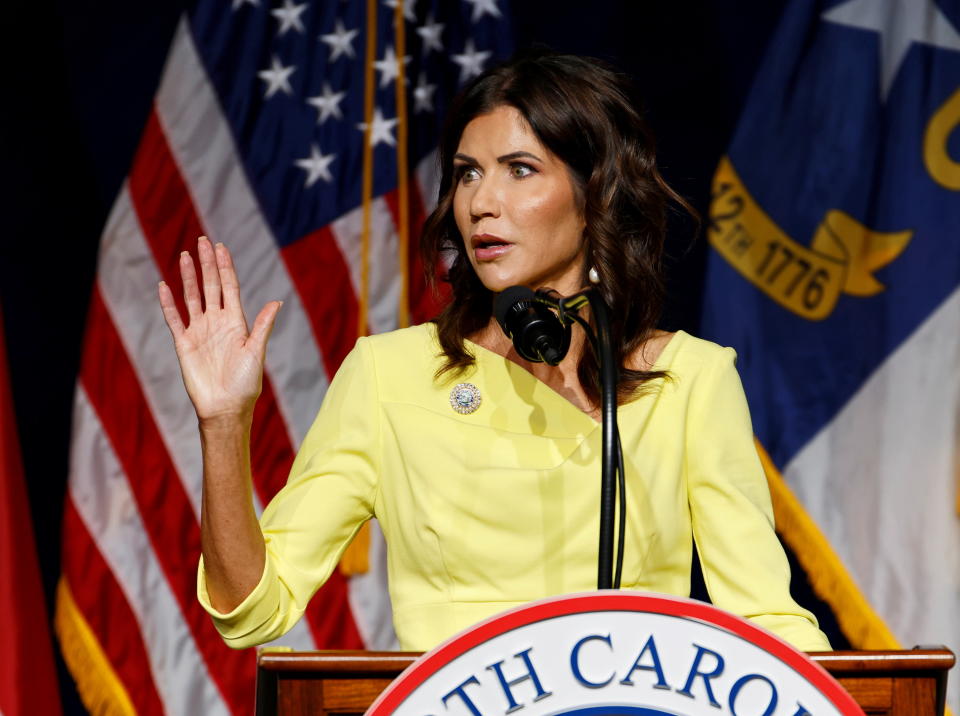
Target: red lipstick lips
<point>487,247</point>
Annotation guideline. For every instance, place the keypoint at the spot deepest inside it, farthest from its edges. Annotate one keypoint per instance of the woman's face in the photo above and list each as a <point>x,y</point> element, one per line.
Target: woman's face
<point>516,208</point>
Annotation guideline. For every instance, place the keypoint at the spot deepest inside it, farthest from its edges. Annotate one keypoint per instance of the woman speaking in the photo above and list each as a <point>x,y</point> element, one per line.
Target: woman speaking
<point>480,466</point>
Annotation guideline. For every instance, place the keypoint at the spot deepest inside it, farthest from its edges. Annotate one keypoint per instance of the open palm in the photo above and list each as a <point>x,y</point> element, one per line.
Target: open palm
<point>221,362</point>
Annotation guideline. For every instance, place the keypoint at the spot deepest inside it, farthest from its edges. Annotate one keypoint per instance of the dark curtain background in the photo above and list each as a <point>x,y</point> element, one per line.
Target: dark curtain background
<point>79,80</point>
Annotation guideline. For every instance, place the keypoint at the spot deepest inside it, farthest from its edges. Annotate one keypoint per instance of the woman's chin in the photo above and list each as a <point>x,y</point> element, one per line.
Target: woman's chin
<point>497,278</point>
<point>497,281</point>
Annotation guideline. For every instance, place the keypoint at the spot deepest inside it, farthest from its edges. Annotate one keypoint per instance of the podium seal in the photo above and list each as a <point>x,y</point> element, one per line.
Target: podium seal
<point>615,652</point>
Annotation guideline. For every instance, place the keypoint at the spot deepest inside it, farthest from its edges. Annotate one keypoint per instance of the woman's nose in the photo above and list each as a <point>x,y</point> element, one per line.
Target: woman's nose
<point>484,201</point>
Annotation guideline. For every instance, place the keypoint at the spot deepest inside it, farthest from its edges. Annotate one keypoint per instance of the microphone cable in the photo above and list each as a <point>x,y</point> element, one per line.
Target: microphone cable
<point>621,496</point>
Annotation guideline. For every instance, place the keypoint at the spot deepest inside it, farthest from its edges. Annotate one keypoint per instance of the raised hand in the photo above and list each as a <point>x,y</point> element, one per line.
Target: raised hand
<point>221,361</point>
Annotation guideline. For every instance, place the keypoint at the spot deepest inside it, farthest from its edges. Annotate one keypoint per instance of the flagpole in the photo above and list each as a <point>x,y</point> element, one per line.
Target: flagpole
<point>367,198</point>
<point>403,194</point>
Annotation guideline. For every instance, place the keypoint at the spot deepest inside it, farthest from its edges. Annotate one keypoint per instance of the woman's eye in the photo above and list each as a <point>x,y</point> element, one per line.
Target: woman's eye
<point>519,170</point>
<point>467,173</point>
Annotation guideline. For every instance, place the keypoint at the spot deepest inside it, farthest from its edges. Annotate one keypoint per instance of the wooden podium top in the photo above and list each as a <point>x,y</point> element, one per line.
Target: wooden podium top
<point>903,683</point>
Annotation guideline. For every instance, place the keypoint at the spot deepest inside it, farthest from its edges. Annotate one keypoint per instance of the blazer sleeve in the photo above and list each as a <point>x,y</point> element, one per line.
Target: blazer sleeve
<point>744,565</point>
<point>330,493</point>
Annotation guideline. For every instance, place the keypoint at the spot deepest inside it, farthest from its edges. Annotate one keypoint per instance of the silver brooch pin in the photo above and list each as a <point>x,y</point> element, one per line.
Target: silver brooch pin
<point>465,398</point>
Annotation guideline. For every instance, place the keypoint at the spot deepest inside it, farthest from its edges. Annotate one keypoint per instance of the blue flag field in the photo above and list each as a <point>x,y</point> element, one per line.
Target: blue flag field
<point>835,273</point>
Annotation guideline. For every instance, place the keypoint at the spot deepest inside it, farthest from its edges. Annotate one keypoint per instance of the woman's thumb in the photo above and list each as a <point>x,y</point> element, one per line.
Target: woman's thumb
<point>262,326</point>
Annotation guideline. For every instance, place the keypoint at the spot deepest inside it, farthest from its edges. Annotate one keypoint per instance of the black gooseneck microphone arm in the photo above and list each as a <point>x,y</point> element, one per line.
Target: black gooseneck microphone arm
<point>612,454</point>
<point>538,334</point>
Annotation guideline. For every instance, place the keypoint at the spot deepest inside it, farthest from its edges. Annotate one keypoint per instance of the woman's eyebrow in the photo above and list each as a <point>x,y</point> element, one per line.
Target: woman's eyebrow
<point>500,160</point>
<point>517,155</point>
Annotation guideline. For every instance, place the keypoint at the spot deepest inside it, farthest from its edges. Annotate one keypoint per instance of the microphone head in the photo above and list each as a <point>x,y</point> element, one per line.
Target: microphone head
<point>508,299</point>
<point>536,332</point>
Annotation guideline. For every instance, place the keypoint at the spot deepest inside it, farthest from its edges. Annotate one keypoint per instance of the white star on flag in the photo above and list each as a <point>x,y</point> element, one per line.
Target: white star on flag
<point>382,129</point>
<point>900,23</point>
<point>430,33</point>
<point>407,8</point>
<point>388,67</point>
<point>423,96</point>
<point>317,166</point>
<point>289,16</point>
<point>237,3</point>
<point>327,104</point>
<point>471,61</point>
<point>483,7</point>
<point>277,78</point>
<point>340,41</point>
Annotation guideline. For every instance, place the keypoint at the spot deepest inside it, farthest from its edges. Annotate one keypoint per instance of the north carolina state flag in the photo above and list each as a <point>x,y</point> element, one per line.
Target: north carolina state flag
<point>28,682</point>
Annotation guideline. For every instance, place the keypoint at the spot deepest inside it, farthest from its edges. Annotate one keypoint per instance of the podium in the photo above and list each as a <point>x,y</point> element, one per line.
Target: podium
<point>901,683</point>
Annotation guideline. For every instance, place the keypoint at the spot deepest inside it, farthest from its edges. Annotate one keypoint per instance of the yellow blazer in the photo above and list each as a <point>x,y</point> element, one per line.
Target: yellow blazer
<point>488,510</point>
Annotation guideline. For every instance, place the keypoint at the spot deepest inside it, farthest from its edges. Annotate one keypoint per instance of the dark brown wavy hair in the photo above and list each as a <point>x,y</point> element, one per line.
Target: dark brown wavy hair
<point>585,113</point>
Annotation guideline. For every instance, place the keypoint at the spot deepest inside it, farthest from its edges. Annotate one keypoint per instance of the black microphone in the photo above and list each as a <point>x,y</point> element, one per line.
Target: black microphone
<point>535,330</point>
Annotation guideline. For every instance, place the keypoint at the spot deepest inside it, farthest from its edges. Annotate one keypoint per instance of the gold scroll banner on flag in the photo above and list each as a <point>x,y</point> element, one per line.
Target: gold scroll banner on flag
<point>807,281</point>
<point>943,169</point>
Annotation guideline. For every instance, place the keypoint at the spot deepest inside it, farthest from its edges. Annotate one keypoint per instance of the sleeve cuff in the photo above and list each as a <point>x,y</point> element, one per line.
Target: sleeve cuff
<point>799,632</point>
<point>239,626</point>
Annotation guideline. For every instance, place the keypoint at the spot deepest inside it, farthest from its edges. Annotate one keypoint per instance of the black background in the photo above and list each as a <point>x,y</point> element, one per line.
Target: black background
<point>79,79</point>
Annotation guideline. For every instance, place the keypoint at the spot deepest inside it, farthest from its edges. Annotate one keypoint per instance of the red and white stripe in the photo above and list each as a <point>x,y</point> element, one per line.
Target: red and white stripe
<point>109,511</point>
<point>132,516</point>
<point>201,144</point>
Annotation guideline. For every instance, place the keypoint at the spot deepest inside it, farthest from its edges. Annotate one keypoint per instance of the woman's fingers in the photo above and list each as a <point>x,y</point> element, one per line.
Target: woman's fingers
<point>170,313</point>
<point>229,281</point>
<point>191,292</point>
<point>262,326</point>
<point>209,272</point>
<point>219,282</point>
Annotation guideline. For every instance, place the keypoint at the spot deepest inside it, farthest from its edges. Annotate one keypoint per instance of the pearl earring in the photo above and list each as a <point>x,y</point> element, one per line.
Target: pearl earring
<point>593,275</point>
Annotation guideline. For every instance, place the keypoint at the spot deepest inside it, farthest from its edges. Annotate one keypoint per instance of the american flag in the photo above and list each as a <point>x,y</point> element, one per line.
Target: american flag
<point>302,135</point>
